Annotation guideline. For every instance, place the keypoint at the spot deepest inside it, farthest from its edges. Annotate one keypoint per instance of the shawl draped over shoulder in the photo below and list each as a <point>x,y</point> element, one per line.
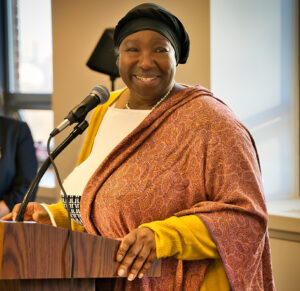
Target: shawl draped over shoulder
<point>191,155</point>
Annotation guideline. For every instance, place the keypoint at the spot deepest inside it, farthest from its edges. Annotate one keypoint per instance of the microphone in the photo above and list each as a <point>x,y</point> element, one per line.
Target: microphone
<point>98,95</point>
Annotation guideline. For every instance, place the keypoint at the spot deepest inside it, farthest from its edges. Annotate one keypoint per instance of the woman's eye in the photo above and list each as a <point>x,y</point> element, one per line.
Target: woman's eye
<point>132,49</point>
<point>161,50</point>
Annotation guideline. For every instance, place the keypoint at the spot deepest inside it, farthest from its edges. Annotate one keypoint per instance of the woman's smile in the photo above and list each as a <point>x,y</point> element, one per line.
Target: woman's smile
<point>146,81</point>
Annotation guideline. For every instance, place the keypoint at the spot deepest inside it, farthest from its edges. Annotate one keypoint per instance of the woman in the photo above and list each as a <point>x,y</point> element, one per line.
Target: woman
<point>179,177</point>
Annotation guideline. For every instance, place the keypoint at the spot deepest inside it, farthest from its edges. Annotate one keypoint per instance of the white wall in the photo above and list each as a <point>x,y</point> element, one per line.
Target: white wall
<point>254,69</point>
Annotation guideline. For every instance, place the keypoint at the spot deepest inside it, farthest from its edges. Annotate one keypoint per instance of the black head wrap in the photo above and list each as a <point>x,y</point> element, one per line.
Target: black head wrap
<point>149,16</point>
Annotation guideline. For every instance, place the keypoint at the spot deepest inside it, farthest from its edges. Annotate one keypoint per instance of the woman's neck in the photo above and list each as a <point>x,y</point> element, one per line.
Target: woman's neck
<point>126,98</point>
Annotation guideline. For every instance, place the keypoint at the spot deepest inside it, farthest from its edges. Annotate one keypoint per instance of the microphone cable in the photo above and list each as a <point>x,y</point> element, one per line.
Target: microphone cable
<point>68,210</point>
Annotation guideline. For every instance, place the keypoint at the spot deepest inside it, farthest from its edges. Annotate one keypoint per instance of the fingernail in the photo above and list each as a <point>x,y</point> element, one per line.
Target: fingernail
<point>140,276</point>
<point>130,277</point>
<point>121,272</point>
<point>119,258</point>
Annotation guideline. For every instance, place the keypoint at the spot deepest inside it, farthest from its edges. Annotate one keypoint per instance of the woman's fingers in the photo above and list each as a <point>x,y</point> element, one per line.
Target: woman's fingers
<point>34,211</point>
<point>136,253</point>
<point>10,216</point>
<point>142,263</point>
<point>7,217</point>
<point>128,250</point>
<point>13,214</point>
<point>149,262</point>
<point>125,244</point>
<point>41,217</point>
<point>15,211</point>
<point>40,214</point>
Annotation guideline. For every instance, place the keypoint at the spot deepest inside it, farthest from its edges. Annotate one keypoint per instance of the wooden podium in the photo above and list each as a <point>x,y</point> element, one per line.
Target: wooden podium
<point>38,257</point>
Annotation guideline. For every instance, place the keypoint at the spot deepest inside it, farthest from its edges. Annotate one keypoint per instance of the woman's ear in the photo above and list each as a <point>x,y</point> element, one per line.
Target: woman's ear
<point>117,53</point>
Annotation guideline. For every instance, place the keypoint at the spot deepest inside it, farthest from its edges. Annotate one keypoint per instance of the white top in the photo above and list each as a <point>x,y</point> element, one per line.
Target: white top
<point>115,126</point>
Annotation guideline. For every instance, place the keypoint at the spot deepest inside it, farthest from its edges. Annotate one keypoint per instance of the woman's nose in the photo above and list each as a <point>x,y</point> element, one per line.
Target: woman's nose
<point>146,60</point>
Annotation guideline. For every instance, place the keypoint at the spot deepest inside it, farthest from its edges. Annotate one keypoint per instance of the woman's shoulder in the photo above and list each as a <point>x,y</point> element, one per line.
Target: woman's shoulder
<point>206,104</point>
<point>208,111</point>
<point>211,117</point>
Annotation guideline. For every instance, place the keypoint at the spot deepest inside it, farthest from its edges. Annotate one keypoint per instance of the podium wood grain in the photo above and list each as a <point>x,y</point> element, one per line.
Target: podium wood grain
<point>40,254</point>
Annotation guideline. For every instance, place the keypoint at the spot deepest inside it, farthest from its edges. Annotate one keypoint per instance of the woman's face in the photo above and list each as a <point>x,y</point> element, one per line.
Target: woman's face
<point>147,64</point>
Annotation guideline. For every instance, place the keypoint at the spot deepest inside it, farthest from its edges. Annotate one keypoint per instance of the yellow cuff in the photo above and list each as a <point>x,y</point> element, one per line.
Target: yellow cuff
<point>185,238</point>
<point>60,216</point>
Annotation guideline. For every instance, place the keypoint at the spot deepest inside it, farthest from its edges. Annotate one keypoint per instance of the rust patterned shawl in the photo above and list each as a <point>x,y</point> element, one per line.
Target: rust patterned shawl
<point>191,155</point>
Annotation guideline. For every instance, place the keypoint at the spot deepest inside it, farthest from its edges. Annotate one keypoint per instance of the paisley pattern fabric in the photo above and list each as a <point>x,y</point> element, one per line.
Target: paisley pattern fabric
<point>190,155</point>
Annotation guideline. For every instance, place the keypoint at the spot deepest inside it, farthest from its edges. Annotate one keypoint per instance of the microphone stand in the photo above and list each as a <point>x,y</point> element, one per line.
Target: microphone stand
<point>78,129</point>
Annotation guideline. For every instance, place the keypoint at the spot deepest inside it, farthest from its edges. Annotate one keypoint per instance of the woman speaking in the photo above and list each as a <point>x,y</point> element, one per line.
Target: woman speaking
<point>178,178</point>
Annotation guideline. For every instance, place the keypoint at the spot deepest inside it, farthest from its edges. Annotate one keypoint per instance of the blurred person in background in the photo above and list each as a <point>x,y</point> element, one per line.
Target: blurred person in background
<point>18,163</point>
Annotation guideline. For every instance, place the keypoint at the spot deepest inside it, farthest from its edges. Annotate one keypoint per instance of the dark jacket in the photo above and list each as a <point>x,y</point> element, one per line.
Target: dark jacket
<point>18,163</point>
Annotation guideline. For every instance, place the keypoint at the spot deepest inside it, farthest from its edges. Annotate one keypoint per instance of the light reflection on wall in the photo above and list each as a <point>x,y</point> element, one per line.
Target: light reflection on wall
<point>251,71</point>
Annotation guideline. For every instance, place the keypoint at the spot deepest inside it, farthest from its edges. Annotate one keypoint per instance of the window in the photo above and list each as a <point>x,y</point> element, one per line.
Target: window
<point>255,70</point>
<point>30,46</point>
<point>27,69</point>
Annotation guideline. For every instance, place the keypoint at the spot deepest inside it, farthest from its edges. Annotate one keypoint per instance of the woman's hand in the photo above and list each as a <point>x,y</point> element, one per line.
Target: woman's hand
<point>34,212</point>
<point>136,253</point>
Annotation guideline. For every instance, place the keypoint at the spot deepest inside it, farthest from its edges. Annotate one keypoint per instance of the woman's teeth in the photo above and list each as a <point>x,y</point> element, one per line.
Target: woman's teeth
<point>145,79</point>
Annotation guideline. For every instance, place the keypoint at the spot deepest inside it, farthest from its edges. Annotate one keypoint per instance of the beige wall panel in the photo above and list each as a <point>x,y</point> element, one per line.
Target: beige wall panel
<point>286,264</point>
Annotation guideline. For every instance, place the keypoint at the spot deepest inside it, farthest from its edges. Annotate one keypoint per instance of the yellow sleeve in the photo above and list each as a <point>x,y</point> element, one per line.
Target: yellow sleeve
<point>60,216</point>
<point>185,238</point>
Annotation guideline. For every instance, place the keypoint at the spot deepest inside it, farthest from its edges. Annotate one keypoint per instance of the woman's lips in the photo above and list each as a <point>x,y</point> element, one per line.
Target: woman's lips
<point>146,80</point>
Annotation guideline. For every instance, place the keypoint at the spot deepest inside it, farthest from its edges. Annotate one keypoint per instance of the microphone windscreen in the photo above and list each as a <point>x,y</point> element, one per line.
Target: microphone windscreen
<point>101,92</point>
